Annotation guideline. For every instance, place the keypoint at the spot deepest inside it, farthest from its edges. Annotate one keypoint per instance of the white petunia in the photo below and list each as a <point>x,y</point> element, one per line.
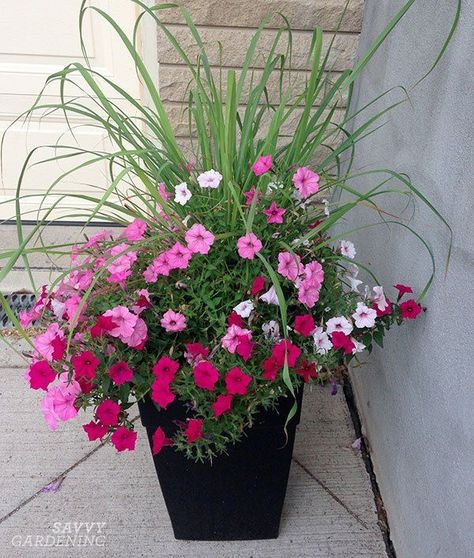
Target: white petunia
<point>244,309</point>
<point>347,249</point>
<point>339,323</point>
<point>322,343</point>
<point>274,186</point>
<point>364,316</point>
<point>182,194</point>
<point>326,207</point>
<point>209,179</point>
<point>358,347</point>
<point>270,297</point>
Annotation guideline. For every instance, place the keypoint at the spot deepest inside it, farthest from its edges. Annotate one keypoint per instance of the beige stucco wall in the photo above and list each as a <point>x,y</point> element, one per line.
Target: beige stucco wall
<point>232,24</point>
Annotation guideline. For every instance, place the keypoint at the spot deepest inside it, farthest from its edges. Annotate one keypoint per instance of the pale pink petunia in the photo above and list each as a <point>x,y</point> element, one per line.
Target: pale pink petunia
<point>165,196</point>
<point>339,323</point>
<point>379,298</point>
<point>58,403</point>
<point>80,280</point>
<point>150,274</point>
<point>124,320</point>
<point>270,297</point>
<point>162,264</point>
<point>209,179</point>
<point>308,293</point>
<point>248,246</point>
<point>179,256</point>
<point>262,165</point>
<point>306,181</point>
<point>121,267</point>
<point>97,239</point>
<point>289,265</point>
<point>173,321</point>
<point>198,239</point>
<point>135,230</point>
<point>364,316</point>
<point>233,337</point>
<point>47,343</point>
<point>347,249</point>
<point>274,214</point>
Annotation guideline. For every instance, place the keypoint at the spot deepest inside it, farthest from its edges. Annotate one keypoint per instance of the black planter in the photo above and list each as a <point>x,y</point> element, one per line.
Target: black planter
<point>240,496</point>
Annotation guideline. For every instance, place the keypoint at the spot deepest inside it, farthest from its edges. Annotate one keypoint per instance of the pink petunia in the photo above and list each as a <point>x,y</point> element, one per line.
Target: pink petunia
<point>248,246</point>
<point>173,321</point>
<point>138,337</point>
<point>179,256</point>
<point>40,375</point>
<point>233,337</point>
<point>205,375</point>
<point>222,404</point>
<point>193,430</point>
<point>306,182</point>
<point>108,412</point>
<point>308,293</point>
<point>289,265</point>
<point>120,373</point>
<point>135,230</point>
<point>59,402</point>
<point>143,302</point>
<point>51,344</point>
<point>250,194</point>
<point>159,441</point>
<point>410,309</point>
<point>124,320</point>
<point>274,214</point>
<point>199,240</point>
<point>313,271</point>
<point>262,165</point>
<point>237,382</point>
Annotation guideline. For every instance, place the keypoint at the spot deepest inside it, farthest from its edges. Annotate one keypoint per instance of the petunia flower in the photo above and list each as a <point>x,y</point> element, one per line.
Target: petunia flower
<point>161,393</point>
<point>248,245</point>
<point>222,404</point>
<point>307,370</point>
<point>322,343</point>
<point>135,230</point>
<point>182,194</point>
<point>250,194</point>
<point>304,325</point>
<point>342,341</point>
<point>339,323</point>
<point>244,309</point>
<point>274,214</point>
<point>95,430</point>
<point>193,430</point>
<point>286,349</point>
<point>270,297</point>
<point>308,293</point>
<point>232,338</point>
<point>108,412</point>
<point>124,320</point>
<point>306,181</point>
<point>262,165</point>
<point>179,256</point>
<point>237,382</point>
<point>159,441</point>
<point>364,316</point>
<point>402,289</point>
<point>209,179</point>
<point>379,298</point>
<point>51,344</point>
<point>124,439</point>
<point>120,373</point>
<point>289,265</point>
<point>410,309</point>
<point>173,321</point>
<point>199,240</point>
<point>40,375</point>
<point>347,249</point>
<point>59,403</point>
<point>205,375</point>
<point>258,285</point>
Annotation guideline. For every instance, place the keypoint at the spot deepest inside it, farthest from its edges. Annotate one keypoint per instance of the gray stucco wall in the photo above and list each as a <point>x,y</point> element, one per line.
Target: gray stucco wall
<point>416,396</point>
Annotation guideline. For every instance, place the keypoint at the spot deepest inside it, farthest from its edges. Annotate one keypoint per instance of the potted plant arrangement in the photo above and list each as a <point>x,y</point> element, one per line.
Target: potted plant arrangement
<point>228,286</point>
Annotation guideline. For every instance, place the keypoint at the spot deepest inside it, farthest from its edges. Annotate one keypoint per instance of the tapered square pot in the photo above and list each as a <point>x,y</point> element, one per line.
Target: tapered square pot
<point>240,495</point>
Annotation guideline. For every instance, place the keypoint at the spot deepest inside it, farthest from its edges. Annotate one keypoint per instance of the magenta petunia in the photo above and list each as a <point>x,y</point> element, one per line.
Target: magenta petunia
<point>237,382</point>
<point>120,373</point>
<point>250,194</point>
<point>95,430</point>
<point>307,370</point>
<point>40,375</point>
<point>410,309</point>
<point>161,393</point>
<point>124,439</point>
<point>271,367</point>
<point>135,230</point>
<point>342,341</point>
<point>85,364</point>
<point>274,214</point>
<point>222,404</point>
<point>258,285</point>
<point>205,375</point>
<point>304,325</point>
<point>248,246</point>
<point>159,441</point>
<point>108,412</point>
<point>165,369</point>
<point>402,289</point>
<point>199,240</point>
<point>193,430</point>
<point>285,349</point>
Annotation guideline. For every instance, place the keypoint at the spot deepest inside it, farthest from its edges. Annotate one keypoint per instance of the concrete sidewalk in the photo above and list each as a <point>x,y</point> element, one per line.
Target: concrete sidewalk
<point>329,509</point>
